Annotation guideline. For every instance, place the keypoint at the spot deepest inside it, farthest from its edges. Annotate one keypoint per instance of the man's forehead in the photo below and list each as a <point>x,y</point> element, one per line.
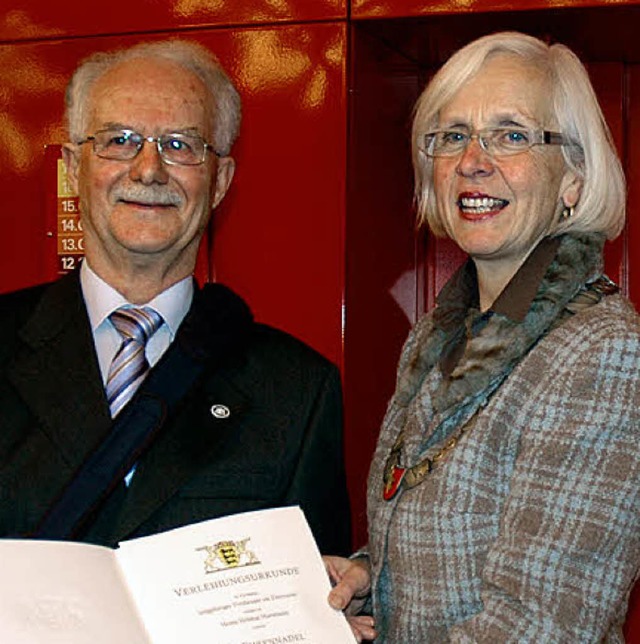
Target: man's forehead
<point>141,73</point>
<point>142,88</point>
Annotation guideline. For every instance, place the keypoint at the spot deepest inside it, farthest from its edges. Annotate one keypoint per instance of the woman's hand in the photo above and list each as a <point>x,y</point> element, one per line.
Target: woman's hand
<point>352,581</point>
<point>362,627</point>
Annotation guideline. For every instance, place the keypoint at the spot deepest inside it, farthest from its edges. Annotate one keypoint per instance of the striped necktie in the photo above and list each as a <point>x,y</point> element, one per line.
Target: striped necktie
<point>129,365</point>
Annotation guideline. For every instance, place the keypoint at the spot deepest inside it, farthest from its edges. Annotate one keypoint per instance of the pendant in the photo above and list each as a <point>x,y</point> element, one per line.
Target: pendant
<point>392,479</point>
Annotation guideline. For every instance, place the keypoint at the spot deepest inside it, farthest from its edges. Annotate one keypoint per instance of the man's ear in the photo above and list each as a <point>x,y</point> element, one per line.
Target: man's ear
<point>570,188</point>
<point>71,158</point>
<point>224,175</point>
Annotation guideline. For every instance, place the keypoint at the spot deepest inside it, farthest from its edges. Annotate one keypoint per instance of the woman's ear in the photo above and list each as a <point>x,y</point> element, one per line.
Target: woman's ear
<point>570,188</point>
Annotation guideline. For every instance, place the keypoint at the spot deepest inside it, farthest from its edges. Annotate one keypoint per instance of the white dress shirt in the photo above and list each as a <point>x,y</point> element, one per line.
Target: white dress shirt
<point>101,300</point>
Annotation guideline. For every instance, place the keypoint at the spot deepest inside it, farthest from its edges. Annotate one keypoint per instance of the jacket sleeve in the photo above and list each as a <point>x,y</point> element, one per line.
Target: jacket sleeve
<point>319,484</point>
<point>568,548</point>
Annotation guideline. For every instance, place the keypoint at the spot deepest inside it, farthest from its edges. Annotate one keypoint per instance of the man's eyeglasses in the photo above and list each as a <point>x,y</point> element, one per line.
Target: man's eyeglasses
<point>174,149</point>
<point>495,141</point>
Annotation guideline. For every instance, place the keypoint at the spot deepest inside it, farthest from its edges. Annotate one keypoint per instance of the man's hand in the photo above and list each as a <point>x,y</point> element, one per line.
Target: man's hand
<point>352,581</point>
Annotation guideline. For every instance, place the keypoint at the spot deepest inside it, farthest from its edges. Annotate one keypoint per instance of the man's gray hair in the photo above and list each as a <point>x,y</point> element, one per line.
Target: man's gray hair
<point>189,55</point>
<point>590,151</point>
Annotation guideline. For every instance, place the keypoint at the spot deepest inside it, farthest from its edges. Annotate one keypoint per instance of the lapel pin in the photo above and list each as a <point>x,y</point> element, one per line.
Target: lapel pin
<point>220,411</point>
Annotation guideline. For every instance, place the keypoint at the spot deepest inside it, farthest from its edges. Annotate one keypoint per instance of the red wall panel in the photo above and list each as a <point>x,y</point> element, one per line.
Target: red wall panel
<point>279,237</point>
<point>407,8</point>
<point>35,19</point>
<point>609,82</point>
<point>384,253</point>
<point>32,81</point>
<point>633,178</point>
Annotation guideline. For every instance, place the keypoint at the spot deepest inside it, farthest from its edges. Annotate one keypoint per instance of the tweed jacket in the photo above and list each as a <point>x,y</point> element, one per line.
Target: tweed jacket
<point>280,443</point>
<point>528,530</point>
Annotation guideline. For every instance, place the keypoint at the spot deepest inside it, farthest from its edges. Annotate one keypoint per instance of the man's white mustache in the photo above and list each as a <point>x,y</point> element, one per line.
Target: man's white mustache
<point>147,195</point>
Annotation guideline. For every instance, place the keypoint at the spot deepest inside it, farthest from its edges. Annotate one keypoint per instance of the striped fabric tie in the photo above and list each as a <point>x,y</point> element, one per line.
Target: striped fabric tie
<point>129,365</point>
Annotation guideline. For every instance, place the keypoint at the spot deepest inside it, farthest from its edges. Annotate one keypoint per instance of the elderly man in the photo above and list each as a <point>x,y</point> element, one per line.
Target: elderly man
<point>131,401</point>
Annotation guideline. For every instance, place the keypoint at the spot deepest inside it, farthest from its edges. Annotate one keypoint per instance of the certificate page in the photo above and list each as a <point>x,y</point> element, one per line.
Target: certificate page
<point>64,593</point>
<point>253,578</point>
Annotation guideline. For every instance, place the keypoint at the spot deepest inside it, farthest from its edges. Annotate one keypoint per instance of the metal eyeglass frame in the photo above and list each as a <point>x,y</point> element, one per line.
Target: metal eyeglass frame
<point>140,140</point>
<point>536,137</point>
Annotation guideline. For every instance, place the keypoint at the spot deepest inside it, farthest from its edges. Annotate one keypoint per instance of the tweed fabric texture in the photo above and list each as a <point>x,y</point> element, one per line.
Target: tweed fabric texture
<point>530,530</point>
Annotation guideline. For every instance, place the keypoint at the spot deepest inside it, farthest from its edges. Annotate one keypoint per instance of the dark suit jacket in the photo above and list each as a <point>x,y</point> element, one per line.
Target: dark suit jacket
<point>281,444</point>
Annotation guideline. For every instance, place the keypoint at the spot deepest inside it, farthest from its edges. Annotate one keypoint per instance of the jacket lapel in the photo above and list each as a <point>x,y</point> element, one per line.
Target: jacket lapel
<point>189,446</point>
<point>56,372</point>
<point>213,333</point>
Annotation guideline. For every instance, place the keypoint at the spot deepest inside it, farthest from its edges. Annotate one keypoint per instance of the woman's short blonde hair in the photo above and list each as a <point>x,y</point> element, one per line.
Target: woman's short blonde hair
<point>590,152</point>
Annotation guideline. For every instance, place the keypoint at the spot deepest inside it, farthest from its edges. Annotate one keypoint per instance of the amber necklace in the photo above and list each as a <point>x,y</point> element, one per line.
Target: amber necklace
<point>396,477</point>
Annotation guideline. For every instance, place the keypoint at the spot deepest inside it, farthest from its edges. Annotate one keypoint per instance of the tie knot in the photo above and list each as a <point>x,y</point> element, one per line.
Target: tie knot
<point>137,324</point>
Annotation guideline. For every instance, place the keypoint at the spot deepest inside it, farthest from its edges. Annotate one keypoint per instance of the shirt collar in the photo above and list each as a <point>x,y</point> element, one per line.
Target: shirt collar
<point>102,299</point>
<point>460,294</point>
<point>515,300</point>
<point>458,303</point>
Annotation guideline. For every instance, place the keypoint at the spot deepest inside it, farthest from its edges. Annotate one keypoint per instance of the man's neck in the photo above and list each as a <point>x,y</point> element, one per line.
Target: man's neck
<point>138,284</point>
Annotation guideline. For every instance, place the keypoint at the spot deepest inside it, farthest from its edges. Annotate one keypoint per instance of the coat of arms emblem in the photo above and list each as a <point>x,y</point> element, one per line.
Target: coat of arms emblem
<point>228,554</point>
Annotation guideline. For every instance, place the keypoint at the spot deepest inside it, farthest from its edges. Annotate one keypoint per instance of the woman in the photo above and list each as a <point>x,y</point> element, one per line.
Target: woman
<point>504,493</point>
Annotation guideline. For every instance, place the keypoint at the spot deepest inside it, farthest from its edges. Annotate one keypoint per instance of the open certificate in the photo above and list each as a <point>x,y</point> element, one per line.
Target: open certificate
<point>254,578</point>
